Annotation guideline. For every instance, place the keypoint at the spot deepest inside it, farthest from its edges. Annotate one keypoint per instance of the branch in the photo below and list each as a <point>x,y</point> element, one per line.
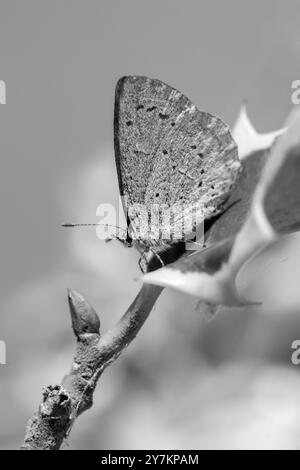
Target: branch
<point>62,404</point>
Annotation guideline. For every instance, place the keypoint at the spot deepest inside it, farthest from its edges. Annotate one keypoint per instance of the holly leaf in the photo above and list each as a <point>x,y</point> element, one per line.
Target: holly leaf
<point>267,206</point>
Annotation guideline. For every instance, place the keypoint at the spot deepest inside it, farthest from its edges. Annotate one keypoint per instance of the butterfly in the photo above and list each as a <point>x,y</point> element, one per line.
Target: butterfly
<point>170,156</point>
<point>270,210</point>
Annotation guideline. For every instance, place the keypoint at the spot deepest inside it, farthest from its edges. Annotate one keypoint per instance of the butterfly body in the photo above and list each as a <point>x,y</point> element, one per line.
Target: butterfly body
<point>154,256</point>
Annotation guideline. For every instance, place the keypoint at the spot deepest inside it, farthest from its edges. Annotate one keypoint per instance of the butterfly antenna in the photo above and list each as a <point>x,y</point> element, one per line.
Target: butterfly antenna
<point>93,225</point>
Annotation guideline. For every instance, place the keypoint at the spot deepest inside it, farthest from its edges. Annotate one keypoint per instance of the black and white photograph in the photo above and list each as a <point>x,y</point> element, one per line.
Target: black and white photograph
<point>150,227</point>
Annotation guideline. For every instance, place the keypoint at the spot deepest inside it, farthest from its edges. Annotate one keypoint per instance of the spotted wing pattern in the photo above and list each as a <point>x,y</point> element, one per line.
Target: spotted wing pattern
<point>168,153</point>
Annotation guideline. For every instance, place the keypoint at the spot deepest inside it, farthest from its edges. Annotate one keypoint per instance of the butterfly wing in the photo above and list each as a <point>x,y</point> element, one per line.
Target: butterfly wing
<point>168,152</point>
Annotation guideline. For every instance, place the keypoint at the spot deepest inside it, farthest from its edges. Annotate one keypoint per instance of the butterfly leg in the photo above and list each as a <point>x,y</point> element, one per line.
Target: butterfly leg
<point>124,242</point>
<point>143,263</point>
<point>157,256</point>
<point>144,260</point>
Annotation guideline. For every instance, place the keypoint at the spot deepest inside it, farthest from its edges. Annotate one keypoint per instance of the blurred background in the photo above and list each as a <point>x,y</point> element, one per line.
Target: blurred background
<point>183,383</point>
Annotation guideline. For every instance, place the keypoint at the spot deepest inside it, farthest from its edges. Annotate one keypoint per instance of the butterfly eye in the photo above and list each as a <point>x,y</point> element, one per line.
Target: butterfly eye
<point>165,152</point>
<point>193,147</point>
<point>129,123</point>
<point>140,106</point>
